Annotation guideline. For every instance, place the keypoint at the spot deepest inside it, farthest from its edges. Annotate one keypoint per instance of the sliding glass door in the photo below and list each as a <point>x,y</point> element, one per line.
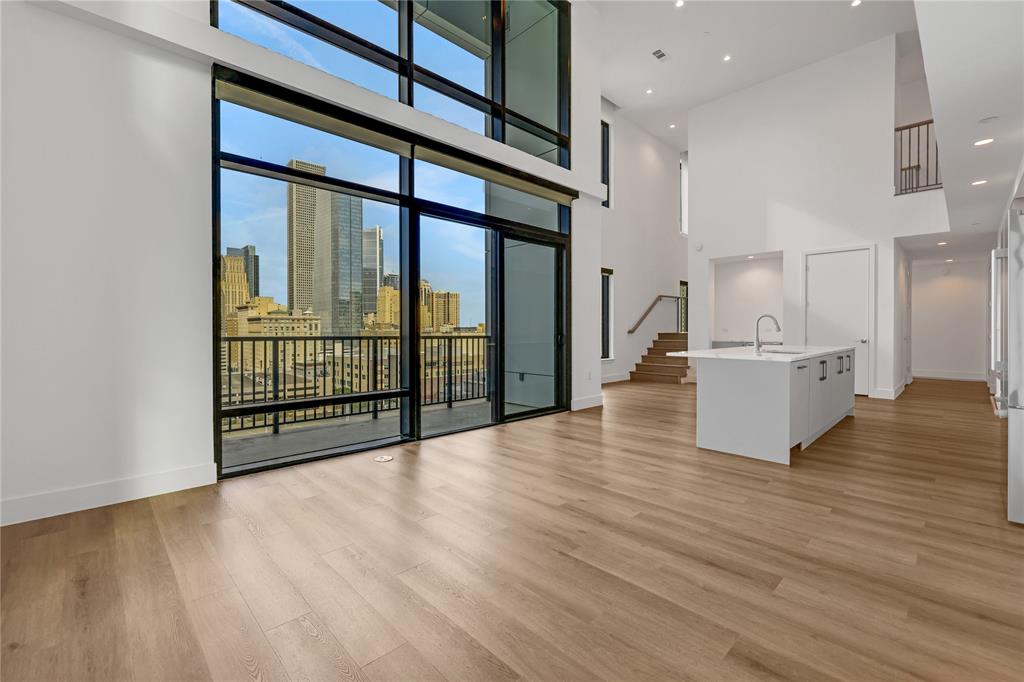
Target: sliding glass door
<point>531,327</point>
<point>455,320</point>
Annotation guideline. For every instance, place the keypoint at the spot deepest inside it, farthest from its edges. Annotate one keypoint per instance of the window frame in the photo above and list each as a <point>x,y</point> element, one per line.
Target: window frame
<point>606,162</point>
<point>607,314</point>
<point>411,208</point>
<point>410,74</point>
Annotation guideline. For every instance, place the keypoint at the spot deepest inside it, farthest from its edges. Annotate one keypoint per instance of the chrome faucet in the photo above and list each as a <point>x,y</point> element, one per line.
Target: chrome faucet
<point>757,331</point>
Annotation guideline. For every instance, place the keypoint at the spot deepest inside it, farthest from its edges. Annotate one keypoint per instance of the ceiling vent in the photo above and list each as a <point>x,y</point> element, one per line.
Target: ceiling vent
<point>661,55</point>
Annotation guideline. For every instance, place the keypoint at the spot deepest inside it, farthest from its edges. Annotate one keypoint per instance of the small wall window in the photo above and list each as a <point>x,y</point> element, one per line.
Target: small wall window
<point>684,193</point>
<point>606,313</point>
<point>606,161</point>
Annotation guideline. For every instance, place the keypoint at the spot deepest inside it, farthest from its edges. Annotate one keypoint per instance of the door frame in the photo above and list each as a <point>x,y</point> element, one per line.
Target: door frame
<point>872,249</point>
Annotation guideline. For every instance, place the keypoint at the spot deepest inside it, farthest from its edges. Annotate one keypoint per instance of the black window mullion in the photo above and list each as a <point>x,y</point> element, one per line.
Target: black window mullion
<point>498,68</point>
<point>405,52</point>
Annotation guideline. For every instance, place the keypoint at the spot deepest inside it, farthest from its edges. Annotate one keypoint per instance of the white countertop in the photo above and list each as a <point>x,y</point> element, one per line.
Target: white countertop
<point>768,353</point>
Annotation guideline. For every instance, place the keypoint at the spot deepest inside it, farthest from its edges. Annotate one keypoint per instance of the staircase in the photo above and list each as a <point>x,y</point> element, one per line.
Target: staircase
<point>656,366</point>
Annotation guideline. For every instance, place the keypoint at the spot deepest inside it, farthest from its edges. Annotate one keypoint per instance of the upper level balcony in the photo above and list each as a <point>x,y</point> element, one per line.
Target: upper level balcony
<point>916,158</point>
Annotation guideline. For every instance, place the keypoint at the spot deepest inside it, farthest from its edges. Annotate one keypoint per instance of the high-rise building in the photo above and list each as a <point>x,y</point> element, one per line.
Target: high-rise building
<point>389,307</point>
<point>373,266</point>
<point>391,280</point>
<point>302,211</point>
<point>252,266</point>
<point>338,263</point>
<point>234,288</point>
<point>444,309</point>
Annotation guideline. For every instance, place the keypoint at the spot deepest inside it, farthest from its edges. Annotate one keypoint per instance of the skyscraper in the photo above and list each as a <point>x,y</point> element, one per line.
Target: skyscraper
<point>390,280</point>
<point>444,309</point>
<point>373,266</point>
<point>302,211</point>
<point>234,289</point>
<point>252,266</point>
<point>337,280</point>
<point>389,307</point>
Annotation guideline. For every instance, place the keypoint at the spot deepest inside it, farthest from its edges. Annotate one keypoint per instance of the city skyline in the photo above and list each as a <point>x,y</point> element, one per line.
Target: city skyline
<point>255,213</point>
<point>252,208</point>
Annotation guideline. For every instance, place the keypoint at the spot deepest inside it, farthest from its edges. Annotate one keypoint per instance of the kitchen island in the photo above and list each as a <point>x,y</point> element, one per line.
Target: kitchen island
<point>760,405</point>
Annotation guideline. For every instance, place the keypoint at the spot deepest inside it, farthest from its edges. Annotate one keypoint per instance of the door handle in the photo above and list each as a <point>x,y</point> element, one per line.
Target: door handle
<point>801,366</point>
<point>823,366</point>
<point>862,340</point>
<point>840,359</point>
<point>848,363</point>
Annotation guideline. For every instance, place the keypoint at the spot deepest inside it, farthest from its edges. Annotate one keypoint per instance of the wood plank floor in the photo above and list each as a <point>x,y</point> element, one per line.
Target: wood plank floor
<point>598,545</point>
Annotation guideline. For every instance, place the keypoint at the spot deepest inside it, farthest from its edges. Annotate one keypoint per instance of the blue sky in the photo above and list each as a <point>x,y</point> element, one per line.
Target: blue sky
<point>254,209</point>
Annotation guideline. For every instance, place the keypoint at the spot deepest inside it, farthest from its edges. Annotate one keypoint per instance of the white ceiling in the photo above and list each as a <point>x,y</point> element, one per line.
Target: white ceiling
<point>765,39</point>
<point>958,245</point>
<point>974,58</point>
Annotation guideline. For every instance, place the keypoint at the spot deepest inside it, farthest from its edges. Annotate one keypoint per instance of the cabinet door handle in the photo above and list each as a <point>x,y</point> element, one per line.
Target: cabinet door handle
<point>823,366</point>
<point>840,359</point>
<point>801,366</point>
<point>848,363</point>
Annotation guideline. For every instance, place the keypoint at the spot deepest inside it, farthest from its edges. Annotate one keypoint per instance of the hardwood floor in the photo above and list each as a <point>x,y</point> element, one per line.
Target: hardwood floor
<point>594,545</point>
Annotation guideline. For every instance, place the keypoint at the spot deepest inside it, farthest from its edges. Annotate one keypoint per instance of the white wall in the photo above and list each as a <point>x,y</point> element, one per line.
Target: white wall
<point>902,327</point>
<point>641,241</point>
<point>107,285</point>
<point>586,211</point>
<point>745,290</point>
<point>800,162</point>
<point>950,319</point>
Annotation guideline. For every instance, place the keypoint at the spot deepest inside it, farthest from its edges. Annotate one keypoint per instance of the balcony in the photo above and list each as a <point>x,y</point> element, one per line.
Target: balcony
<point>454,389</point>
<point>916,158</point>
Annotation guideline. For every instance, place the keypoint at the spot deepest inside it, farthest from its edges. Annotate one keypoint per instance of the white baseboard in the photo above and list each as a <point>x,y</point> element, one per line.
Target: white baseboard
<point>586,402</point>
<point>65,500</point>
<point>884,393</point>
<point>612,378</point>
<point>949,374</point>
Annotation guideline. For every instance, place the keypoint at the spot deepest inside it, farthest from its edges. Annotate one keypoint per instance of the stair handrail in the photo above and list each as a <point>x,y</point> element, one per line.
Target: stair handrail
<point>647,312</point>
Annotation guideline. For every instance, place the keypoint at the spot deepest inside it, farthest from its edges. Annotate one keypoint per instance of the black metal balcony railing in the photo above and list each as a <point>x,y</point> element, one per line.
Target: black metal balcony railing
<point>916,158</point>
<point>265,369</point>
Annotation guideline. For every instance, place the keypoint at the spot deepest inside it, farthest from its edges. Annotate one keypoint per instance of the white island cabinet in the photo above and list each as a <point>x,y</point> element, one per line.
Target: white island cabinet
<point>761,405</point>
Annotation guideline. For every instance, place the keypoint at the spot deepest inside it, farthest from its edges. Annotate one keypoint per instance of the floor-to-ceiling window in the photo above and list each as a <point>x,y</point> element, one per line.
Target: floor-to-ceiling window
<point>497,67</point>
<point>371,287</point>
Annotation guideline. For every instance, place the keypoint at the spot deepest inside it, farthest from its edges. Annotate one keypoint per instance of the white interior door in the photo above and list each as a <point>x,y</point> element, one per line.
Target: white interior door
<point>838,299</point>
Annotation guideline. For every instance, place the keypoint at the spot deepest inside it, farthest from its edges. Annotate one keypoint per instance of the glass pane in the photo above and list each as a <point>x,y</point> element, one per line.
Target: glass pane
<point>455,320</point>
<point>530,326</point>
<point>531,61</point>
<point>452,38</point>
<point>436,104</point>
<point>370,19</point>
<point>309,308</point>
<point>283,39</point>
<point>446,186</point>
<point>277,140</point>
<point>531,143</point>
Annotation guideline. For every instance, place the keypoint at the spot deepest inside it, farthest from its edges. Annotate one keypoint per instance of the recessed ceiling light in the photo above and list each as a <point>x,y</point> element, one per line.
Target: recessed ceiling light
<point>949,260</point>
<point>750,257</point>
<point>979,182</point>
<point>943,243</point>
<point>727,58</point>
<point>671,125</point>
<point>982,143</point>
<point>679,3</point>
<point>854,3</point>
<point>648,91</point>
